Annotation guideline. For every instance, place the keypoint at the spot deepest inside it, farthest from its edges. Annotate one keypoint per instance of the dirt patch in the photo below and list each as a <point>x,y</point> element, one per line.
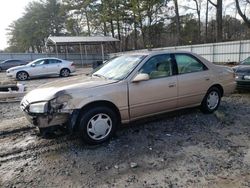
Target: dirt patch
<point>181,149</point>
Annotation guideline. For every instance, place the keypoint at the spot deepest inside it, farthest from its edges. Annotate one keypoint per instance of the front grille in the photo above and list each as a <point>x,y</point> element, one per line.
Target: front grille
<point>243,85</point>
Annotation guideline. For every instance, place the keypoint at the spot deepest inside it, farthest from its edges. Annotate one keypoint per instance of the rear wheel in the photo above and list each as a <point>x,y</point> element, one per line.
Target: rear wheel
<point>22,75</point>
<point>64,72</point>
<point>98,125</point>
<point>211,100</point>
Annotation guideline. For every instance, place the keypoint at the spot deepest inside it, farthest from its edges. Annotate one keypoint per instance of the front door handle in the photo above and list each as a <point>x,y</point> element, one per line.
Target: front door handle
<point>171,85</point>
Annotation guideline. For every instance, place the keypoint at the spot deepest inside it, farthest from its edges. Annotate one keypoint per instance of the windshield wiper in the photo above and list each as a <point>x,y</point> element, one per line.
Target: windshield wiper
<point>99,75</point>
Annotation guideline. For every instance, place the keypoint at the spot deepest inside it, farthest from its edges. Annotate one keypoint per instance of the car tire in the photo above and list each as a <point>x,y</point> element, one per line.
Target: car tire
<point>211,100</point>
<point>97,125</point>
<point>64,72</point>
<point>22,75</point>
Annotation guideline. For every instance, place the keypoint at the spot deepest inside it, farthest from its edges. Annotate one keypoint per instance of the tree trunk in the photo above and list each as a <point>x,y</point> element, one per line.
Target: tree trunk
<point>199,18</point>
<point>104,28</point>
<point>112,28</point>
<point>118,29</point>
<point>135,33</point>
<point>206,22</point>
<point>218,7</point>
<point>219,21</point>
<point>177,18</point>
<point>140,23</point>
<point>87,19</point>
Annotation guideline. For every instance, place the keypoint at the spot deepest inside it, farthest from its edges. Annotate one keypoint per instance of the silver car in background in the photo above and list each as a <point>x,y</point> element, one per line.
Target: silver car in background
<point>42,67</point>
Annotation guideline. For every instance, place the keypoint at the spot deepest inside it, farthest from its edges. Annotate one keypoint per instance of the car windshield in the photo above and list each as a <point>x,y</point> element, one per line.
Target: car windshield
<point>246,61</point>
<point>119,67</point>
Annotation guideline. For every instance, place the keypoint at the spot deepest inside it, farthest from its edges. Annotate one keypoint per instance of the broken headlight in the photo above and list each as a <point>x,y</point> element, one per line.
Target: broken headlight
<point>60,101</point>
<point>40,107</point>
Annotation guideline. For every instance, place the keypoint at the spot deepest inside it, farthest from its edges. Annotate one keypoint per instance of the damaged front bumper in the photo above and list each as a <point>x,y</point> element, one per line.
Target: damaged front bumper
<point>45,120</point>
<point>44,115</point>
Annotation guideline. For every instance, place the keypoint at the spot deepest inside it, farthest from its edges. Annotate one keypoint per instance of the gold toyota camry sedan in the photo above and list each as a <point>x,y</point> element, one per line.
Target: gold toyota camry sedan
<point>127,88</point>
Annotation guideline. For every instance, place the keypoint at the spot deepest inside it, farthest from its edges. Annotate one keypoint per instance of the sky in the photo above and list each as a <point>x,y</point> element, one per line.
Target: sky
<point>10,10</point>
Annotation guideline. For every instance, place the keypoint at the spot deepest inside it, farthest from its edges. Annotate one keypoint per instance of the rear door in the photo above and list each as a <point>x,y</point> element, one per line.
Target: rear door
<point>54,66</point>
<point>159,93</point>
<point>194,79</point>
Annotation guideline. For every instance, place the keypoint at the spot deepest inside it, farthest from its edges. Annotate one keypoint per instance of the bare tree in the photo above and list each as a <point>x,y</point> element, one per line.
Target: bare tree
<point>218,7</point>
<point>198,11</point>
<point>243,15</point>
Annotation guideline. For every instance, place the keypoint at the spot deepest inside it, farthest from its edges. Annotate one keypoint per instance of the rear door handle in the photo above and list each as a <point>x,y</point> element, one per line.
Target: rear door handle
<point>171,85</point>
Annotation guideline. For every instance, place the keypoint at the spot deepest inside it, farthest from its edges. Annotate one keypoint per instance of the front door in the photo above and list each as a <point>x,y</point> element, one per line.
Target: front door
<point>159,93</point>
<point>39,68</point>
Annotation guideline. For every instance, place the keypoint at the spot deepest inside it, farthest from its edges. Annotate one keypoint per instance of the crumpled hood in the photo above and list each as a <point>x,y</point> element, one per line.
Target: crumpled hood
<point>51,90</point>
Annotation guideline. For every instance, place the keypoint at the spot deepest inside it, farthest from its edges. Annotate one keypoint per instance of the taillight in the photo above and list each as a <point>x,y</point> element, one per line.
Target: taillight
<point>73,64</point>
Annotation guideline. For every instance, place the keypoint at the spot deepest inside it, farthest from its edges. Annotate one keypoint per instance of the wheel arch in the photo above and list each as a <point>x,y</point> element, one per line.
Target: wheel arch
<point>219,87</point>
<point>93,104</point>
<point>65,68</point>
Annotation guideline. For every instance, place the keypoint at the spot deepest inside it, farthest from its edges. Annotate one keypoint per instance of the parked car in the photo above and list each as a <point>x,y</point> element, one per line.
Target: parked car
<point>128,88</point>
<point>42,67</point>
<point>4,65</point>
<point>242,72</point>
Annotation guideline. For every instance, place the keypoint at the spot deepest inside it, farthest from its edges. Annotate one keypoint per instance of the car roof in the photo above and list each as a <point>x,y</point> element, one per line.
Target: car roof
<point>13,60</point>
<point>155,52</point>
<point>49,58</point>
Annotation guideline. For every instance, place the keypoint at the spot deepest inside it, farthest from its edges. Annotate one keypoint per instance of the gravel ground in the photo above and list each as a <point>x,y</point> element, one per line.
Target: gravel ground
<point>181,149</point>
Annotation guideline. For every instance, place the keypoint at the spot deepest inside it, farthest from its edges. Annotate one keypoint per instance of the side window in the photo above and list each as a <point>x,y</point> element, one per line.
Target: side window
<point>158,66</point>
<point>54,61</point>
<point>46,62</point>
<point>40,62</point>
<point>188,64</point>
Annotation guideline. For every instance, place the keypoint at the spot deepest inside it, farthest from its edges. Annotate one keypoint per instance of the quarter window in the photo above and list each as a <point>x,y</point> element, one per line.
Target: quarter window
<point>158,66</point>
<point>188,64</point>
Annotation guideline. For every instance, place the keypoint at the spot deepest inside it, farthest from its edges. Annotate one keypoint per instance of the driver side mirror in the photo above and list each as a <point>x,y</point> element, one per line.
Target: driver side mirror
<point>141,77</point>
<point>33,65</point>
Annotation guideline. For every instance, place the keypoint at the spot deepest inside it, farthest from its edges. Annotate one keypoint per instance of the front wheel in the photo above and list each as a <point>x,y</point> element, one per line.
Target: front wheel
<point>22,76</point>
<point>98,125</point>
<point>211,100</point>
